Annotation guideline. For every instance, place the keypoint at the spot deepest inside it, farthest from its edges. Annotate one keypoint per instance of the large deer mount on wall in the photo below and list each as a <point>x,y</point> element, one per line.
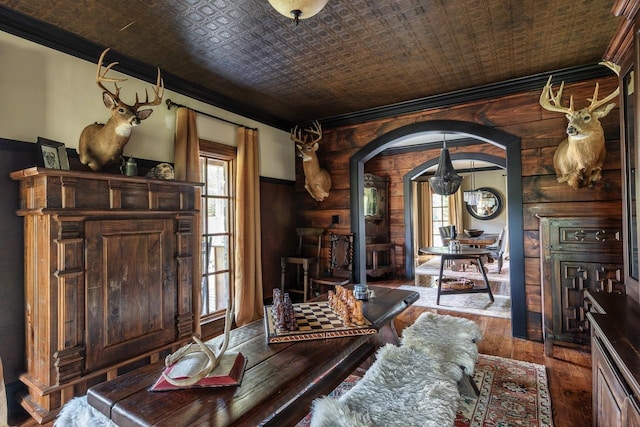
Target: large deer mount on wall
<point>103,143</point>
<point>578,159</point>
<point>317,180</point>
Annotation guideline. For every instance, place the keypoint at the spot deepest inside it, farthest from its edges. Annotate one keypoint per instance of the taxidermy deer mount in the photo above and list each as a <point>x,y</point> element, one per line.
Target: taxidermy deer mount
<point>317,180</point>
<point>578,159</point>
<point>103,143</point>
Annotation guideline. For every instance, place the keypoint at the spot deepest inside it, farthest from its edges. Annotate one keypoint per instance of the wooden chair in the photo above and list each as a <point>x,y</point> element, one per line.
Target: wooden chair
<point>307,256</point>
<point>340,271</point>
<point>447,233</point>
<point>498,250</point>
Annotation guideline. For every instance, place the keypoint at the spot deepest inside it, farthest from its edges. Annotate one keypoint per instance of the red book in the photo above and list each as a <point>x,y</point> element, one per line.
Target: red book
<point>228,373</point>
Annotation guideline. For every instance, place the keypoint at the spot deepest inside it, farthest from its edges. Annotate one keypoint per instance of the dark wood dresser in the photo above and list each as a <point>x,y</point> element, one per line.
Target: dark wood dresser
<point>108,278</point>
<point>615,346</point>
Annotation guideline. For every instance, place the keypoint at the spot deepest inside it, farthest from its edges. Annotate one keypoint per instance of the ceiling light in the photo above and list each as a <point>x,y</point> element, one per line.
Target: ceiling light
<point>298,9</point>
<point>446,181</point>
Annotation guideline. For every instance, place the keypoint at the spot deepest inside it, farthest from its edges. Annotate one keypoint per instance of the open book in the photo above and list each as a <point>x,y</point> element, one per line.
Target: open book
<point>228,373</point>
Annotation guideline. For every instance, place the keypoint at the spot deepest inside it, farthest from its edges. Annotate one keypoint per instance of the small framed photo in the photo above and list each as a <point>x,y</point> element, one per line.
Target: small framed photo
<point>51,154</point>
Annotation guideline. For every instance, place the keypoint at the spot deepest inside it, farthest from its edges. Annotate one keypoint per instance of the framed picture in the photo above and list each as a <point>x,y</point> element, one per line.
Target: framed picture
<point>51,154</point>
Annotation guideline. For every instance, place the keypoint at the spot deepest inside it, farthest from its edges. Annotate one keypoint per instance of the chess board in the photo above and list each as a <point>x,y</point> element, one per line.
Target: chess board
<point>315,321</point>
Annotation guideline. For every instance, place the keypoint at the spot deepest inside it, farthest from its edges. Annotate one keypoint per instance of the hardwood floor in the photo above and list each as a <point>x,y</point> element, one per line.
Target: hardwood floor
<point>568,372</point>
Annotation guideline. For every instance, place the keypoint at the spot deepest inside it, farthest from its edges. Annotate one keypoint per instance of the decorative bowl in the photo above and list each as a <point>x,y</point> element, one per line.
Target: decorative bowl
<point>473,232</point>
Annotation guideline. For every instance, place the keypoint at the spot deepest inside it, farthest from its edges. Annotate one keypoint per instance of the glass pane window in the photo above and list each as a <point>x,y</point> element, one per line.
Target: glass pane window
<point>440,216</point>
<point>217,231</point>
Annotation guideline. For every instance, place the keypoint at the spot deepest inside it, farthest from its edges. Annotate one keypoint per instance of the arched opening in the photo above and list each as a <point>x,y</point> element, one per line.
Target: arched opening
<point>504,140</point>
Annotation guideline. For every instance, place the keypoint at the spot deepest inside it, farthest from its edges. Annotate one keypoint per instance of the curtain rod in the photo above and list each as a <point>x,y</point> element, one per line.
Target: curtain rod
<point>170,104</point>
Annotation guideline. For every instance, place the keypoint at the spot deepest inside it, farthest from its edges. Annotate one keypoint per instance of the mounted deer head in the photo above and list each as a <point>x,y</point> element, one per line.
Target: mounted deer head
<point>578,159</point>
<point>103,143</point>
<point>317,181</point>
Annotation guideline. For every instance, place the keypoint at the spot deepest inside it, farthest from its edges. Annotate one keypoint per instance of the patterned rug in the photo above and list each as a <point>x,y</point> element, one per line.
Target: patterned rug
<point>512,394</point>
<point>463,303</point>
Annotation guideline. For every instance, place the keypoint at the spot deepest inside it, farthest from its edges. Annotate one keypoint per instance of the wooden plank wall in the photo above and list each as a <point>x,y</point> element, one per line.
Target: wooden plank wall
<point>540,132</point>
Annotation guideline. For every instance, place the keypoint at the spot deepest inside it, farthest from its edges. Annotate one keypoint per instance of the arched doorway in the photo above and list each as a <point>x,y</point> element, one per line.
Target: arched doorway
<point>408,198</point>
<point>508,142</point>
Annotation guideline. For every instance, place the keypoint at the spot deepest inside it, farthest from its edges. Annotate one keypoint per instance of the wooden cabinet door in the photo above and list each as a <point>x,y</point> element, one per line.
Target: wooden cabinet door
<point>609,392</point>
<point>130,288</point>
<point>631,413</point>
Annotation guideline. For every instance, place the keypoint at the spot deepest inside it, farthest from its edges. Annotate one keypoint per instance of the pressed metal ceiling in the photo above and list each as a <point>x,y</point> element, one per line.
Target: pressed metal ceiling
<point>355,55</point>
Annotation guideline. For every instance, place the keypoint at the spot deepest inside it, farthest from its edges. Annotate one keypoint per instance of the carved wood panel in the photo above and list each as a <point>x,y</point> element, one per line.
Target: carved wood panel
<point>131,304</point>
<point>578,254</point>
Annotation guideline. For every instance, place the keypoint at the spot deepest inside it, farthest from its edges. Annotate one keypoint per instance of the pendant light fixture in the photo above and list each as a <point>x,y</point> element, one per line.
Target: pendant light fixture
<point>473,196</point>
<point>298,9</point>
<point>446,181</point>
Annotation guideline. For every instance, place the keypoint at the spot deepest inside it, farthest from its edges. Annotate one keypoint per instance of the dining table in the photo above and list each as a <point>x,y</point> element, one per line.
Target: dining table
<point>474,254</point>
<point>280,380</point>
<point>481,241</point>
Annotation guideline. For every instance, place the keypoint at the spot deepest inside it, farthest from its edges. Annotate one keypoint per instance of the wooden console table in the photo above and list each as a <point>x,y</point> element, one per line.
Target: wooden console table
<point>279,384</point>
<point>475,254</point>
<point>388,252</point>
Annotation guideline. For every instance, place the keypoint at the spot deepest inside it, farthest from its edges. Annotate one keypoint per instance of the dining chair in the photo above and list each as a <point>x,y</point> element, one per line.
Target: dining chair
<point>499,248</point>
<point>307,256</point>
<point>340,268</point>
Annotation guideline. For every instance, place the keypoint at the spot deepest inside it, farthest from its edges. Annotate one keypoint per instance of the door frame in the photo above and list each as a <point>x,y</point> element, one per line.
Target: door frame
<point>510,143</point>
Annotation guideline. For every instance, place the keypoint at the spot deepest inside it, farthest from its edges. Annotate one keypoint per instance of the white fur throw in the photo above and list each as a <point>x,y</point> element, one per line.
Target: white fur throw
<point>411,385</point>
<point>404,387</point>
<point>445,337</point>
<point>78,413</point>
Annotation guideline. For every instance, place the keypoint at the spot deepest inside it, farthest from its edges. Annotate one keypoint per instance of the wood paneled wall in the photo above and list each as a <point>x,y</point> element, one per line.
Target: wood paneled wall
<point>540,132</point>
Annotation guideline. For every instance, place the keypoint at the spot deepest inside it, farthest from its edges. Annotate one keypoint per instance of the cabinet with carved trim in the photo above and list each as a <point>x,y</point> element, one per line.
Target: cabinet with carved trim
<point>108,278</point>
<point>578,254</point>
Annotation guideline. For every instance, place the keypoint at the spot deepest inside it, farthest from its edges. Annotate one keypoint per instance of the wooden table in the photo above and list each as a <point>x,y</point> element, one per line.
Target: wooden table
<point>279,384</point>
<point>475,254</point>
<point>478,242</point>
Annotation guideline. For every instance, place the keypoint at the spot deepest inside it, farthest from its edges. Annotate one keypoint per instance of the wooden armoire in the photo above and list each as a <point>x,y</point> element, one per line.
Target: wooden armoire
<point>108,278</point>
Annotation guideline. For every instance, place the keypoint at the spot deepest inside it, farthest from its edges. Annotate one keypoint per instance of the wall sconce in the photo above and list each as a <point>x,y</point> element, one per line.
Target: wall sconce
<point>446,181</point>
<point>298,9</point>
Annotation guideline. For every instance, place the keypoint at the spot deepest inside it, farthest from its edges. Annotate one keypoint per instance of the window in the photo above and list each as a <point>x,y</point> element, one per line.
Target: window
<point>439,216</point>
<point>217,164</point>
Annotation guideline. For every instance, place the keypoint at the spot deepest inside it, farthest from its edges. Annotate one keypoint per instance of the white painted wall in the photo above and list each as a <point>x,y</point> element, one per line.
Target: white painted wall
<point>54,95</point>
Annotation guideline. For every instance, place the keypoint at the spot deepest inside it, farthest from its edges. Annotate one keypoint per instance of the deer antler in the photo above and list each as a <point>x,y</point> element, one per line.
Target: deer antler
<point>159,91</point>
<point>554,103</point>
<point>102,77</point>
<point>595,103</point>
<point>212,360</point>
<point>315,129</point>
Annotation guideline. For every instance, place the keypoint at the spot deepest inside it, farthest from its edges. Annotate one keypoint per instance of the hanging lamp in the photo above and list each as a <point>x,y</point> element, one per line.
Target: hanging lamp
<point>473,196</point>
<point>298,9</point>
<point>446,181</point>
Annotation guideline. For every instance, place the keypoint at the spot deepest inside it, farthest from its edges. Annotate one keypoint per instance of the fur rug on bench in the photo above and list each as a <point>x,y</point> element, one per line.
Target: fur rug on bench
<point>78,413</point>
<point>415,384</point>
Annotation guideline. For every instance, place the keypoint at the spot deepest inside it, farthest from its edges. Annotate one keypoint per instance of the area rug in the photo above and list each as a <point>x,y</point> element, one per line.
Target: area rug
<point>512,393</point>
<point>463,303</point>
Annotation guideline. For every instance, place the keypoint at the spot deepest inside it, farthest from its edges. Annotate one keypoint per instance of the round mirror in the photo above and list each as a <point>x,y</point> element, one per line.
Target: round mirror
<point>487,205</point>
